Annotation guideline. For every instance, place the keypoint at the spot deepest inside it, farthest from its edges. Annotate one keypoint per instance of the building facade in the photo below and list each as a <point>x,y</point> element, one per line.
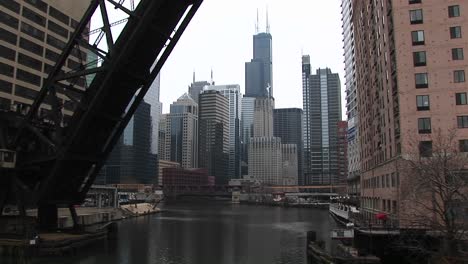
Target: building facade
<point>354,159</point>
<point>322,111</point>
<point>32,37</point>
<point>162,164</point>
<point>247,122</point>
<point>265,160</point>
<point>213,136</point>
<point>263,117</point>
<point>196,88</point>
<point>181,134</point>
<point>417,87</point>
<point>289,159</point>
<point>287,125</point>
<point>186,177</point>
<point>342,145</point>
<point>234,96</point>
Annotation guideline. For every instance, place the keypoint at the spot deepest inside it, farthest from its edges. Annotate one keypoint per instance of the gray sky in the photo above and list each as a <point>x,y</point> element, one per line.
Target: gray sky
<point>220,37</point>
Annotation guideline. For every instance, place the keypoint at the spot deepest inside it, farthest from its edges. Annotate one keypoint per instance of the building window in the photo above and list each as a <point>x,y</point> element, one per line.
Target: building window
<point>460,98</point>
<point>55,13</point>
<point>33,16</point>
<point>12,5</point>
<point>416,16</point>
<point>31,46</point>
<point>462,121</point>
<point>54,27</point>
<point>39,4</point>
<point>454,11</point>
<point>29,62</point>
<point>6,69</point>
<point>421,80</point>
<point>32,31</point>
<point>424,125</point>
<point>455,32</point>
<point>457,54</point>
<point>414,2</point>
<point>464,145</point>
<point>459,76</point>
<point>417,37</point>
<point>425,148</point>
<point>7,53</point>
<point>28,77</point>
<point>55,42</point>
<point>7,36</point>
<point>9,20</point>
<point>25,92</point>
<point>419,58</point>
<point>422,102</point>
<point>6,87</point>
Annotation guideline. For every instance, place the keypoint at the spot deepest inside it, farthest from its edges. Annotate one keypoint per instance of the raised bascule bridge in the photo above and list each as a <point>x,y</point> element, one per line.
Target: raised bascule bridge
<point>50,160</point>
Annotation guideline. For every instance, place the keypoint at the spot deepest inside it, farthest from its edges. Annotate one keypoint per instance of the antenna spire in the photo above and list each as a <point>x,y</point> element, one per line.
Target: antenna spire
<point>267,23</point>
<point>194,76</point>
<point>256,24</point>
<point>212,80</point>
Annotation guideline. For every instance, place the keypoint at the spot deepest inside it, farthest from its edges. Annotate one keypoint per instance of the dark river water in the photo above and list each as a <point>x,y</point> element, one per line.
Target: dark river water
<point>213,233</point>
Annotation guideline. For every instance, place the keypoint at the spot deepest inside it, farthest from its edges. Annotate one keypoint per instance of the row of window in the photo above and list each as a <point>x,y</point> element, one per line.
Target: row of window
<point>422,80</point>
<point>425,147</point>
<point>419,57</point>
<point>424,124</point>
<point>382,181</point>
<point>423,104</point>
<point>416,15</point>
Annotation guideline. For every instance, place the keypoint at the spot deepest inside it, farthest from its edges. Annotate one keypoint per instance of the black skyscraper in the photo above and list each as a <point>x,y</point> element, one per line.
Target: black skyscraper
<point>259,71</point>
<point>287,125</point>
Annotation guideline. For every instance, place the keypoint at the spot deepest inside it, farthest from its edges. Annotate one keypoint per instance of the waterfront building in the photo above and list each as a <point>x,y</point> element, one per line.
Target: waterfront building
<point>131,160</point>
<point>263,117</point>
<point>265,160</point>
<point>353,148</point>
<point>181,132</point>
<point>287,125</point>
<point>289,163</point>
<point>186,177</point>
<point>213,136</point>
<point>234,96</point>
<point>162,164</point>
<point>410,81</point>
<point>32,37</point>
<point>322,111</point>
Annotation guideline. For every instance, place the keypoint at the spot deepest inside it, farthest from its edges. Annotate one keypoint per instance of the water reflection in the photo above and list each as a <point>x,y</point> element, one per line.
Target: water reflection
<point>214,233</point>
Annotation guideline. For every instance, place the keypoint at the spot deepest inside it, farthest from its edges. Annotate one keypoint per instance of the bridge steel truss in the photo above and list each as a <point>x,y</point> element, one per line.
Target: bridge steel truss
<point>58,159</point>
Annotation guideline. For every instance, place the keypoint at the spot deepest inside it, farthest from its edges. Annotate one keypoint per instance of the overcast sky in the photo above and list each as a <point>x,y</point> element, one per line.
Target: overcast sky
<point>219,37</point>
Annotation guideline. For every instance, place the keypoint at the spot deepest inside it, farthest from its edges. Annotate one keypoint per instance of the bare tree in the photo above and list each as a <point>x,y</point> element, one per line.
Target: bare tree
<point>434,191</point>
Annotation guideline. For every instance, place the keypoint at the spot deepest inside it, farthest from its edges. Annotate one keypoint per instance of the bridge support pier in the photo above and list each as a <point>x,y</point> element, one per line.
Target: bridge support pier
<point>74,216</point>
<point>47,215</point>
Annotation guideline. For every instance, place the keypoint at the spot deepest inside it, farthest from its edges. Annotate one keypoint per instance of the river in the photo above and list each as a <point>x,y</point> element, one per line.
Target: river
<point>209,233</point>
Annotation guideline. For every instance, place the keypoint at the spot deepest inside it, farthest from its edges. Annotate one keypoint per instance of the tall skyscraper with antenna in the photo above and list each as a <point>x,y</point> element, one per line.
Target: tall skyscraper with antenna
<point>259,71</point>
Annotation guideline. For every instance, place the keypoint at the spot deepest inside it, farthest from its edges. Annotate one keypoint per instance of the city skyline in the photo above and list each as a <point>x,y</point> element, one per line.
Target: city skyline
<point>291,39</point>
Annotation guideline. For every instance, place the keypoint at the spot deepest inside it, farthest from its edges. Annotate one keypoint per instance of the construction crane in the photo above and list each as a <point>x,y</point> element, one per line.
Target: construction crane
<point>50,160</point>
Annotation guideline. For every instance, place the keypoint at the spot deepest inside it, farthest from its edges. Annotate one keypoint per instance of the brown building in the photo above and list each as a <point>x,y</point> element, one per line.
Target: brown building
<point>187,177</point>
<point>162,164</point>
<point>342,146</point>
<point>410,77</point>
<point>32,36</point>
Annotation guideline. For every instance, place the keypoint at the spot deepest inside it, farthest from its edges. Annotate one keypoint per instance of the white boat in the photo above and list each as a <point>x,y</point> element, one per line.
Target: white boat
<point>342,213</point>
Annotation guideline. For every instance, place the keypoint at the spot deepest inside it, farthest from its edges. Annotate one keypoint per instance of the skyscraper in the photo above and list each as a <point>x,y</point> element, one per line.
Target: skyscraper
<point>181,135</point>
<point>353,149</point>
<point>322,111</point>
<point>342,145</point>
<point>213,136</point>
<point>247,121</point>
<point>259,71</point>
<point>263,117</point>
<point>287,125</point>
<point>234,96</point>
<point>196,87</point>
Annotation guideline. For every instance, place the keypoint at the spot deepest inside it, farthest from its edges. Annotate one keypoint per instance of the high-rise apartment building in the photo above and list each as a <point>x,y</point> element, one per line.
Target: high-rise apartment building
<point>259,71</point>
<point>354,159</point>
<point>410,80</point>
<point>234,96</point>
<point>32,37</point>
<point>287,125</point>
<point>213,136</point>
<point>322,111</point>
<point>181,134</point>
